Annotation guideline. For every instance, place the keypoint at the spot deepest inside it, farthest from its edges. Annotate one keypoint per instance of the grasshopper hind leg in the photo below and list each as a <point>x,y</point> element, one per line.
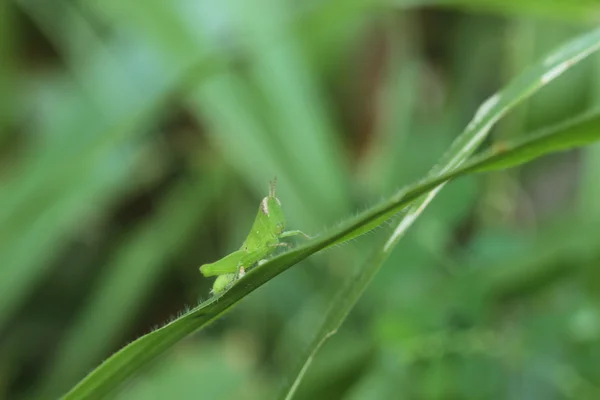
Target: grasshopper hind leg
<point>222,283</point>
<point>225,281</point>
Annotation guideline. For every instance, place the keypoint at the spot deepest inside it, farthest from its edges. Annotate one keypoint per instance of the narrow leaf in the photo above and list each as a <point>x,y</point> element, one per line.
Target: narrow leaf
<point>577,132</point>
<point>503,155</point>
<point>126,362</point>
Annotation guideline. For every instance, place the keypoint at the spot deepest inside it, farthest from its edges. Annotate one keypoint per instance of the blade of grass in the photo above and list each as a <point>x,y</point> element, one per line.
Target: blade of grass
<point>127,279</point>
<point>489,113</point>
<point>126,362</point>
<point>578,132</point>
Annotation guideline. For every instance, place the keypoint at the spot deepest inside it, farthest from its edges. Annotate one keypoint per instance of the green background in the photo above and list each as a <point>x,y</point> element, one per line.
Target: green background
<point>137,139</point>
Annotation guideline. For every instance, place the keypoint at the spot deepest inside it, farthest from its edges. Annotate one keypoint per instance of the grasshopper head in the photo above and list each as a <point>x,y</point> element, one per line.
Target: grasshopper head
<point>271,208</point>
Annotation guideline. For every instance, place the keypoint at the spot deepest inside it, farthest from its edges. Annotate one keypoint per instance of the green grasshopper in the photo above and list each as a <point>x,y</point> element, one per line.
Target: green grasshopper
<point>263,239</point>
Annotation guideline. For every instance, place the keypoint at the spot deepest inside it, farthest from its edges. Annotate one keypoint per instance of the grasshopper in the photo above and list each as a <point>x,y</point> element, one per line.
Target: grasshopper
<point>267,229</point>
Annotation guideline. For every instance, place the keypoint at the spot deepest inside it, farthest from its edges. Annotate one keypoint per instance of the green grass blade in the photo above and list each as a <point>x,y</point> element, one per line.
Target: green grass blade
<point>124,363</point>
<point>120,366</point>
<point>500,157</point>
<point>578,132</point>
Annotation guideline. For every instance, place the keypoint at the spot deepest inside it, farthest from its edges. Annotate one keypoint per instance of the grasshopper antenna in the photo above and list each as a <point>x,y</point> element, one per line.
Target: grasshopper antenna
<point>272,187</point>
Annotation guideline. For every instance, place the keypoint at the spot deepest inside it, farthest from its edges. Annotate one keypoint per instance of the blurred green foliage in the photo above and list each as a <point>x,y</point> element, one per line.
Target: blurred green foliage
<point>138,137</point>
